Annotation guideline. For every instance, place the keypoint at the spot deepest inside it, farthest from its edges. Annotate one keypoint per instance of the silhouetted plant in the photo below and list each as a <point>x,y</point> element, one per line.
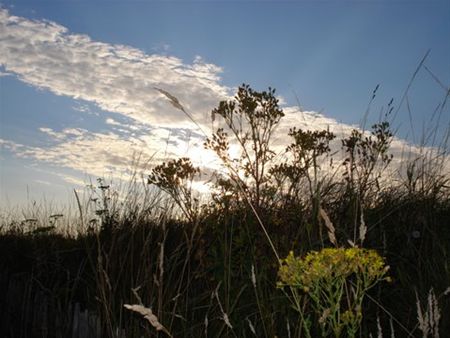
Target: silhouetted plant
<point>175,177</point>
<point>211,271</point>
<point>251,118</point>
<point>366,159</point>
<point>425,175</point>
<point>365,154</point>
<point>303,163</point>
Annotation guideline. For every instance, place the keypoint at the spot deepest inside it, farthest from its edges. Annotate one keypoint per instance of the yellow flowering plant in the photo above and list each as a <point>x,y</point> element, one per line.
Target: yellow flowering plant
<point>334,281</point>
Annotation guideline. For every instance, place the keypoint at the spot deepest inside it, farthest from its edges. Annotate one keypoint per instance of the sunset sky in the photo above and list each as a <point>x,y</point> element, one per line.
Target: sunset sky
<point>78,78</point>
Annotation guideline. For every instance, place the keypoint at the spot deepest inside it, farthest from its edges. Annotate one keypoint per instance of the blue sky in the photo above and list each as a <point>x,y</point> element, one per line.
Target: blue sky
<point>77,97</point>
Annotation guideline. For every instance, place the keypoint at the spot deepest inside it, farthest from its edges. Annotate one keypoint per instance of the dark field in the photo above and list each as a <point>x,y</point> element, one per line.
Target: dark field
<point>209,267</point>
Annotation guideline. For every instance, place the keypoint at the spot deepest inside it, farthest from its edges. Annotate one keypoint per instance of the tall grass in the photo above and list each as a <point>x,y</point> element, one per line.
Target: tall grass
<point>209,269</point>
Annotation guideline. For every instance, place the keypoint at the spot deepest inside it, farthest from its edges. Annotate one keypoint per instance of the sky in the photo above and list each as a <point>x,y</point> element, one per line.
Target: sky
<point>78,78</point>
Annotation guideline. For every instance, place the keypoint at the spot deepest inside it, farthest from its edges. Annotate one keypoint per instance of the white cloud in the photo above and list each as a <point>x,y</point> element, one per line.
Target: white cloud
<point>43,182</point>
<point>112,122</point>
<point>100,154</point>
<point>84,108</point>
<point>117,78</point>
<point>2,73</point>
<point>51,133</point>
<point>72,180</point>
<point>121,79</point>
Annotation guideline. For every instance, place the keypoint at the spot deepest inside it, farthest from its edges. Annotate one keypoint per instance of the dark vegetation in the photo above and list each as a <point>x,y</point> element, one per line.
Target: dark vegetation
<point>209,268</point>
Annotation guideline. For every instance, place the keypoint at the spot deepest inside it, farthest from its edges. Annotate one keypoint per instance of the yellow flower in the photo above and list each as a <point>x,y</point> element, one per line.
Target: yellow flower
<point>324,275</point>
<point>329,263</point>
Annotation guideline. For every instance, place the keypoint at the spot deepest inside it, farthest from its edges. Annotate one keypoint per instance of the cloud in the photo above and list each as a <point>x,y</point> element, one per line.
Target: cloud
<point>2,73</point>
<point>112,122</point>
<point>84,108</point>
<point>122,80</point>
<point>43,182</point>
<point>116,78</point>
<point>99,154</point>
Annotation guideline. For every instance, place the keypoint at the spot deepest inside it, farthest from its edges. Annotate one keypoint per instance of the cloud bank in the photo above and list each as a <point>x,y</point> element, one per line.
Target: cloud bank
<point>122,79</point>
<point>117,78</point>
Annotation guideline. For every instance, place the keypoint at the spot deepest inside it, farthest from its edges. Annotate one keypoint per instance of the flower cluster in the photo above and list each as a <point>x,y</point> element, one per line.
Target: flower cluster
<point>330,264</point>
<point>335,281</point>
